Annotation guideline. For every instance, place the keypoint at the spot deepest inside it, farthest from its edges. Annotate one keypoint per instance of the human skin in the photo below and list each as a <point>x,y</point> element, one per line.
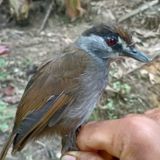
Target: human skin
<point>134,137</point>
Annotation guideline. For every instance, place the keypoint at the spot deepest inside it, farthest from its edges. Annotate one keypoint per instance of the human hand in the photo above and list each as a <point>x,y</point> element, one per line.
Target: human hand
<point>135,137</point>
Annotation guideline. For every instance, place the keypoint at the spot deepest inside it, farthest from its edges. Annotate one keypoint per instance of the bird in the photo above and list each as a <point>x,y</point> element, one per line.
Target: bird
<point>63,92</point>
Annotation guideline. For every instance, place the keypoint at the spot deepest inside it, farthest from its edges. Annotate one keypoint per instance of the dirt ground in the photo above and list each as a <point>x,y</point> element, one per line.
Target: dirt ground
<point>133,87</point>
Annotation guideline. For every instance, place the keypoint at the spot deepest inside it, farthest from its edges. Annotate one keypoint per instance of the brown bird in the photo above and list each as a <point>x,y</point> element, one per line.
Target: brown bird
<point>63,92</point>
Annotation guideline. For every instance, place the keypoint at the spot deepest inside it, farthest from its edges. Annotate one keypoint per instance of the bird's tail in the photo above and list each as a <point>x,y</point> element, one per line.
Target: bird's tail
<point>6,147</point>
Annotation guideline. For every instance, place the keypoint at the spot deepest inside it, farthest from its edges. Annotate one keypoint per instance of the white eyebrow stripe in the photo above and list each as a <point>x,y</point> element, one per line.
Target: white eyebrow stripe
<point>121,41</point>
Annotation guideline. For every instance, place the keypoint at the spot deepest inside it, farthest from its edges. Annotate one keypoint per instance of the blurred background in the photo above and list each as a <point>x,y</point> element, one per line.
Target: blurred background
<point>32,31</point>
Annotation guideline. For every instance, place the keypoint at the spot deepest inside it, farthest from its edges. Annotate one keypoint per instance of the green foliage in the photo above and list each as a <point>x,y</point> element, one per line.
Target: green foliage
<point>5,115</point>
<point>110,108</point>
<point>124,88</point>
<point>107,111</point>
<point>3,62</point>
<point>26,62</point>
<point>95,115</point>
<point>3,74</point>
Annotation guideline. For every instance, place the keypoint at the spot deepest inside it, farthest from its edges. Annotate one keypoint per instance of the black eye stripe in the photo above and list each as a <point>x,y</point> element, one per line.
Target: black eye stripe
<point>131,45</point>
<point>117,47</point>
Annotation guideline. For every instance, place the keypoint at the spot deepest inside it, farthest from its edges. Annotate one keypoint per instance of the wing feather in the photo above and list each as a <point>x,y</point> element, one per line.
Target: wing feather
<point>56,76</point>
<point>38,120</point>
<point>50,90</point>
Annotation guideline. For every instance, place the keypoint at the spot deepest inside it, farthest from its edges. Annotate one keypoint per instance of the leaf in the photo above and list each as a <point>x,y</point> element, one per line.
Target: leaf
<point>110,104</point>
<point>74,9</point>
<point>4,127</point>
<point>117,86</point>
<point>124,88</point>
<point>3,62</point>
<point>3,106</point>
<point>3,76</point>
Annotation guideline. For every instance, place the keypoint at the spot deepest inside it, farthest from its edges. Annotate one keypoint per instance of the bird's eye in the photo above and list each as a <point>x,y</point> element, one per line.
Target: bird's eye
<point>111,41</point>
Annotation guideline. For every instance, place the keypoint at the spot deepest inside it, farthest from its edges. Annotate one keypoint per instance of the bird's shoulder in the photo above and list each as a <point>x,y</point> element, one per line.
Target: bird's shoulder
<point>69,64</point>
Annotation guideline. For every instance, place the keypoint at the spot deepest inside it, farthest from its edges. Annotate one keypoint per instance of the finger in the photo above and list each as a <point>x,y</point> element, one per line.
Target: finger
<point>129,137</point>
<point>99,136</point>
<point>83,156</point>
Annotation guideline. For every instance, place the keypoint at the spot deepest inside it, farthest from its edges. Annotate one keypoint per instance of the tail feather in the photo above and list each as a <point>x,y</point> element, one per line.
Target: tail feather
<point>6,147</point>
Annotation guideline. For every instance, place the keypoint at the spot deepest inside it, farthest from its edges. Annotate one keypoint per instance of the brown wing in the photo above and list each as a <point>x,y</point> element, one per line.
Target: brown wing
<point>50,89</point>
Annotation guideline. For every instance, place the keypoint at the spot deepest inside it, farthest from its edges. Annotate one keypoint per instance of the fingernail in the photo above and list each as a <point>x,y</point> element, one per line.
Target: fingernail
<point>68,157</point>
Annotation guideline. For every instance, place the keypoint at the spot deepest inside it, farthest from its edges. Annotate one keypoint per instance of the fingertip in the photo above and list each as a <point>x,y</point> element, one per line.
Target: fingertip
<point>68,157</point>
<point>95,136</point>
<point>86,135</point>
<point>80,155</point>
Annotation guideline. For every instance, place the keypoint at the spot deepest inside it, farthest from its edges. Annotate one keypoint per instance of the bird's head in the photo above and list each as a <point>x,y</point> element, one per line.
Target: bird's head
<point>110,42</point>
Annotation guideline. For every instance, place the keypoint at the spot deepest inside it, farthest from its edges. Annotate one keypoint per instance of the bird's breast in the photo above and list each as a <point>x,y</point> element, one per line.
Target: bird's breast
<point>92,83</point>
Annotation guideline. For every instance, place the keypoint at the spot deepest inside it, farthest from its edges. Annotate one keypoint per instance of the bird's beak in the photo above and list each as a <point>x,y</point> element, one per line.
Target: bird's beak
<point>134,53</point>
